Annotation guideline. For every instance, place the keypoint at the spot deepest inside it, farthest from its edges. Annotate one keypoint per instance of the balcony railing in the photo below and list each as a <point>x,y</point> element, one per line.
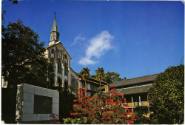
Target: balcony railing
<point>136,104</point>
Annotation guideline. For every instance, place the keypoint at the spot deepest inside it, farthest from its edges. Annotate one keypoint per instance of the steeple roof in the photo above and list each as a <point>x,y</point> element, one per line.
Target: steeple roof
<point>54,27</point>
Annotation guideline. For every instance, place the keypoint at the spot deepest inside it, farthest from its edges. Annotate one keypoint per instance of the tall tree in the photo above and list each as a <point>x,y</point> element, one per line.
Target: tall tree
<point>22,56</point>
<point>85,74</point>
<point>100,75</point>
<point>111,77</point>
<point>167,96</point>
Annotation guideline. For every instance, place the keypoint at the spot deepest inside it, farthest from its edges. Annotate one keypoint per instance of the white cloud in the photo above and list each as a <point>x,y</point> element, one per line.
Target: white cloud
<point>86,61</point>
<point>98,45</point>
<point>78,40</point>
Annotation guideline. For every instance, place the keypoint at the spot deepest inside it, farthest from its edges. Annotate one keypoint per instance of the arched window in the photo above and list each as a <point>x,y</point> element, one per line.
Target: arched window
<point>52,51</point>
<point>59,67</point>
<point>65,85</point>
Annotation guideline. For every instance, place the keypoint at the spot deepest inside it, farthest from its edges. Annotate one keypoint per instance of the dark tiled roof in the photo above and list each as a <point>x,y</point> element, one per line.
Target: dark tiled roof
<point>94,81</point>
<point>97,82</point>
<point>135,90</point>
<point>135,81</point>
<point>73,71</point>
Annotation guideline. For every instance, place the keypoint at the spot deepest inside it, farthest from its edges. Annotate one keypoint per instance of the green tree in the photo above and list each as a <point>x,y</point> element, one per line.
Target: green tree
<point>111,77</point>
<point>85,74</point>
<point>167,96</point>
<point>100,74</point>
<point>23,56</point>
<point>93,76</point>
<point>141,112</point>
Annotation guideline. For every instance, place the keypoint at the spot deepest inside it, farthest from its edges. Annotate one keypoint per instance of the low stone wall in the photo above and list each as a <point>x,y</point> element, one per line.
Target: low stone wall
<point>35,103</point>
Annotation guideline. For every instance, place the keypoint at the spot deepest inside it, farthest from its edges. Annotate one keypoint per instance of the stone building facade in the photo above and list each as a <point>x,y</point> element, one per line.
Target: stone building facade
<point>60,58</point>
<point>64,75</point>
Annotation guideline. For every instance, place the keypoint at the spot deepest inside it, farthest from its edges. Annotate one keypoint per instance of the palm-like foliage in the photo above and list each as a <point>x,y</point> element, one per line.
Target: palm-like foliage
<point>100,75</point>
<point>111,77</point>
<point>85,74</point>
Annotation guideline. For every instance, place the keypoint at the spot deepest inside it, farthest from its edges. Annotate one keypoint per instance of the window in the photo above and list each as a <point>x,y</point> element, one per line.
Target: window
<point>129,99</point>
<point>74,84</point>
<point>52,51</point>
<point>59,81</point>
<point>65,69</point>
<point>42,104</point>
<point>144,97</point>
<point>65,85</point>
<point>52,54</point>
<point>93,87</point>
<point>59,67</point>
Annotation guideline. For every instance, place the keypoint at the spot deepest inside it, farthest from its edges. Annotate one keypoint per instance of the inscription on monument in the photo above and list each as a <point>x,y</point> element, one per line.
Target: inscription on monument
<point>42,104</point>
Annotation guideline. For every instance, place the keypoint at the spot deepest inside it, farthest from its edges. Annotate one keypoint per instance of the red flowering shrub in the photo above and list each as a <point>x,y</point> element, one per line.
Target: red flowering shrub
<point>102,108</point>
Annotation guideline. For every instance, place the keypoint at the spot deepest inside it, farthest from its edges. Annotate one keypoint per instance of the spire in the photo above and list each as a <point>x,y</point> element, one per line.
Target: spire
<point>55,27</point>
<point>54,36</point>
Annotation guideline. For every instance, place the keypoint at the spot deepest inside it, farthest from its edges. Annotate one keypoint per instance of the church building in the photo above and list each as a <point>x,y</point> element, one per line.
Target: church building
<point>59,57</point>
<point>64,76</point>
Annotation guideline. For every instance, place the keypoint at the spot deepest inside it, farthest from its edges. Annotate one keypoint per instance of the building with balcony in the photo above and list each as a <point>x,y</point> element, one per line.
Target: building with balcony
<point>136,90</point>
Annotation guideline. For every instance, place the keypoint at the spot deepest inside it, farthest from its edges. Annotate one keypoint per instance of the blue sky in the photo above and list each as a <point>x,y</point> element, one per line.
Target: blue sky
<point>131,38</point>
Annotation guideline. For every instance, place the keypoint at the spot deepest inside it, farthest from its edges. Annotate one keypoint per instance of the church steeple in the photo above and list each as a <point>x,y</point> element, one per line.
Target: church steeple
<point>54,27</point>
<point>54,36</point>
